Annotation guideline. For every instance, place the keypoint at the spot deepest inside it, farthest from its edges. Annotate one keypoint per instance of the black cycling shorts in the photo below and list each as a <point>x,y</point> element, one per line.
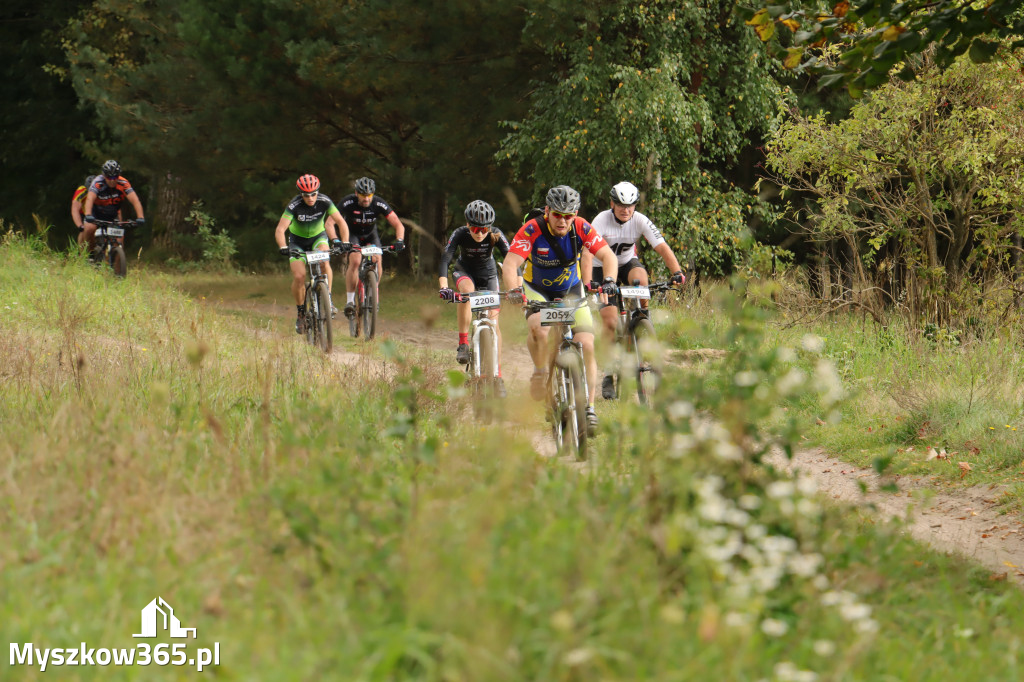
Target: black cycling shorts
<point>371,238</point>
<point>483,280</point>
<point>621,279</point>
<point>306,243</point>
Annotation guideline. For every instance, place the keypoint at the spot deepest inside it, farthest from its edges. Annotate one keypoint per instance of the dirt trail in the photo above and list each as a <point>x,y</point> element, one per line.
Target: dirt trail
<point>967,522</point>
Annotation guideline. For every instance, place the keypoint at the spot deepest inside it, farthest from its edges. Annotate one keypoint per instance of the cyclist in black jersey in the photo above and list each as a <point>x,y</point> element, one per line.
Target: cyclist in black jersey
<point>306,225</point>
<point>361,212</point>
<point>475,270</point>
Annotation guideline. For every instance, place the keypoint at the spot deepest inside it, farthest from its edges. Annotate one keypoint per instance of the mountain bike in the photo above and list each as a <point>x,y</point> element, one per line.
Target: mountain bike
<point>318,300</point>
<point>367,293</point>
<point>109,245</point>
<point>635,333</point>
<point>567,378</point>
<point>483,343</point>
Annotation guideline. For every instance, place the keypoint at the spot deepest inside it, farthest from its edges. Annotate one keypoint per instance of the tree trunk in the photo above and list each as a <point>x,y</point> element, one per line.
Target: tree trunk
<point>172,204</point>
<point>430,241</point>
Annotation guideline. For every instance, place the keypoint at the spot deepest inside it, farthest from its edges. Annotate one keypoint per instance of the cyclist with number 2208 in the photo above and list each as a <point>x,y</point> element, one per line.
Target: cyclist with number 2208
<point>475,270</point>
<point>306,225</point>
<point>622,226</point>
<point>550,247</point>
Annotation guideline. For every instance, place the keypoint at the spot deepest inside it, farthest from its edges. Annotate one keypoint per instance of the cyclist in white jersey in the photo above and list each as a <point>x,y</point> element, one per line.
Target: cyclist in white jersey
<point>622,226</point>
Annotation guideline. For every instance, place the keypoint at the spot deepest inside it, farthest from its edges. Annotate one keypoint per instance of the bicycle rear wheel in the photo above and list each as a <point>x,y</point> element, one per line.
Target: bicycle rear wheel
<point>324,333</point>
<point>118,261</point>
<point>648,376</point>
<point>370,305</point>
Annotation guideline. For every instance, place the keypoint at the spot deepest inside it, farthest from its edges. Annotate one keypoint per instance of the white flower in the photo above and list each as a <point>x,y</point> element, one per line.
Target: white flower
<point>820,582</point>
<point>790,381</point>
<point>779,489</point>
<point>681,444</point>
<point>824,648</point>
<point>713,509</point>
<point>963,633</point>
<point>804,565</point>
<point>774,627</point>
<point>785,354</point>
<point>577,657</point>
<point>807,508</point>
<point>745,378</point>
<point>735,517</point>
<point>749,502</point>
<point>734,619</point>
<point>729,451</point>
<point>807,486</point>
<point>866,626</point>
<point>756,532</point>
<point>854,611</point>
<point>813,343</point>
<point>778,544</point>
<point>827,383</point>
<point>680,409</point>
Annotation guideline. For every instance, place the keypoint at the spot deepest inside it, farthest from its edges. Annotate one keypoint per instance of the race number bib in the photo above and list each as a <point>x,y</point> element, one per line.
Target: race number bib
<point>553,316</point>
<point>635,292</point>
<point>371,251</point>
<point>317,256</point>
<point>110,231</point>
<point>484,300</point>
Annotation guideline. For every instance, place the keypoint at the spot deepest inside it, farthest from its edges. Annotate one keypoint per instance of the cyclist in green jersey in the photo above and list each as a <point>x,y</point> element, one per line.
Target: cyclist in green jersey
<point>306,225</point>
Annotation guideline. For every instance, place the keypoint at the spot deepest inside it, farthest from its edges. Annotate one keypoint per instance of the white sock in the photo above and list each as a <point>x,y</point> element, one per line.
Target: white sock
<point>350,297</point>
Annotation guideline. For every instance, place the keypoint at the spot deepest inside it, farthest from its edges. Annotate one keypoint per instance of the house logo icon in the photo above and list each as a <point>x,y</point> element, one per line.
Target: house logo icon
<point>151,622</point>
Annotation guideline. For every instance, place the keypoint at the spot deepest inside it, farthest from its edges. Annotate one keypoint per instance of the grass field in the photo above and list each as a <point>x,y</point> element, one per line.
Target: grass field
<point>330,520</point>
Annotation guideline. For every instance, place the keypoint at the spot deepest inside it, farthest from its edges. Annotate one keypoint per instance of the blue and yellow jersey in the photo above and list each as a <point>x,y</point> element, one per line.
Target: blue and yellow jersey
<point>543,269</point>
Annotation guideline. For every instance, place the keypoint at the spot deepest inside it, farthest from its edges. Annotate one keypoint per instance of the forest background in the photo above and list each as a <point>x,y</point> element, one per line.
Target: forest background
<point>735,120</point>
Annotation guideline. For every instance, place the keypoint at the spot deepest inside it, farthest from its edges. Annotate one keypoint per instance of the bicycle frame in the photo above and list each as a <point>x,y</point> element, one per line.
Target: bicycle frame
<point>481,303</point>
<point>318,321</point>
<point>568,363</point>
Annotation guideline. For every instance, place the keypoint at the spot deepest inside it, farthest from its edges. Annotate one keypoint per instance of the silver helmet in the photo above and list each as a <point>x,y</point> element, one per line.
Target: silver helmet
<point>563,199</point>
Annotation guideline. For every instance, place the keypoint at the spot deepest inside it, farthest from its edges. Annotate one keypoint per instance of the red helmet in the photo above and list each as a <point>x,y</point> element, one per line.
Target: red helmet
<point>308,183</point>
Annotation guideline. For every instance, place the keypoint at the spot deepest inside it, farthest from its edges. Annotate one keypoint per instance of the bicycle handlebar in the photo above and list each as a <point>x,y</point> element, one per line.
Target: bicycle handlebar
<point>566,304</point>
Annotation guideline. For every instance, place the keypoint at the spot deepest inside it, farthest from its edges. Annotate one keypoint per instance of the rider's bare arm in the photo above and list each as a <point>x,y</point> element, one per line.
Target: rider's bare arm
<point>609,263</point>
<point>586,266</point>
<point>340,226</point>
<point>90,198</point>
<point>396,223</point>
<point>665,251</point>
<point>282,227</point>
<point>133,199</point>
<point>509,270</point>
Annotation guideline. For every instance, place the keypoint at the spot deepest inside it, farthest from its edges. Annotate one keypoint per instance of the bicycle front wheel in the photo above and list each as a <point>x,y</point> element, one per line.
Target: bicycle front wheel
<point>324,333</point>
<point>118,261</point>
<point>574,408</point>
<point>645,348</point>
<point>370,305</point>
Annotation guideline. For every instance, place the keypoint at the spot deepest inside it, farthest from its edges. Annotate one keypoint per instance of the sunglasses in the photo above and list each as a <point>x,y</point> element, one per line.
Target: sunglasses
<point>364,196</point>
<point>477,229</point>
<point>310,194</point>
<point>563,216</point>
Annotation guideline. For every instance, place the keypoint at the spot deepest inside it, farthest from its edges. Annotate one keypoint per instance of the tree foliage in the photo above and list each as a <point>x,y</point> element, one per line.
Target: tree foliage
<point>643,91</point>
<point>934,165</point>
<point>875,35</point>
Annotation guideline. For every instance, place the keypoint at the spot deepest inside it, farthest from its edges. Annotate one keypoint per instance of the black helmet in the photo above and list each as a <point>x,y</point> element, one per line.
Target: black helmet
<point>625,194</point>
<point>563,199</point>
<point>365,186</point>
<point>479,213</point>
<point>111,169</point>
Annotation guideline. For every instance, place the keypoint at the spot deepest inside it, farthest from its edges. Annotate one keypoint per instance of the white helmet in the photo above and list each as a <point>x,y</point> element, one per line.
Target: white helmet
<point>625,193</point>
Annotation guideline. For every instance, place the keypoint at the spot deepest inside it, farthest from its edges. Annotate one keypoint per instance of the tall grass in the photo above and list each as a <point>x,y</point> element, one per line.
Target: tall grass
<point>324,520</point>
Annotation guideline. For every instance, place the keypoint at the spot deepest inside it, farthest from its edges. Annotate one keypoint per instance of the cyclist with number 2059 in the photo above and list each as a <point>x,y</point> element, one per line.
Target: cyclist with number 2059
<point>550,246</point>
<point>475,270</point>
<point>622,226</point>
<point>306,225</point>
